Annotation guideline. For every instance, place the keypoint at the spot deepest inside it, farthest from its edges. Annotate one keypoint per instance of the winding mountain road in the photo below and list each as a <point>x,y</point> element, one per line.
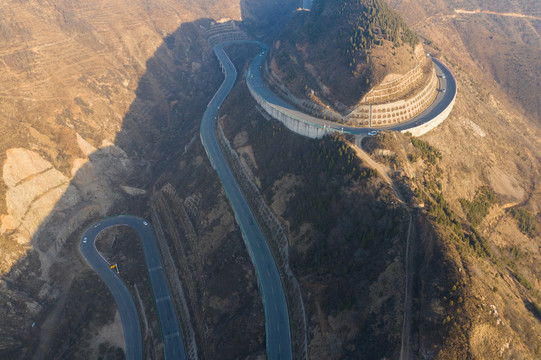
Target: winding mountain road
<point>274,300</point>
<point>171,334</point>
<point>440,103</point>
<point>278,333</point>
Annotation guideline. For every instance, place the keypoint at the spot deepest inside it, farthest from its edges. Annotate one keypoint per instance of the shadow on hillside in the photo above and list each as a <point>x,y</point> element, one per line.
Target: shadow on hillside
<point>171,97</point>
<point>163,120</point>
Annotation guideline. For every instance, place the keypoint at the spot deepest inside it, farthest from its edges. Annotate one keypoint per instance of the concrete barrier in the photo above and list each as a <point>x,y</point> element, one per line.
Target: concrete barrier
<point>426,127</point>
<point>438,119</point>
<point>316,131</point>
<point>298,126</point>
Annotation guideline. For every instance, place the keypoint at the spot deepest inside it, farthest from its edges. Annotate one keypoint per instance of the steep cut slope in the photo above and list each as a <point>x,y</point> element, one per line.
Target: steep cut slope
<point>341,49</point>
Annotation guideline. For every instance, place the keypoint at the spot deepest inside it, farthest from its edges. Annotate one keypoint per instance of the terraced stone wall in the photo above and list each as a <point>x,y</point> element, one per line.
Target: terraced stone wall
<point>220,32</point>
<point>397,88</point>
<point>389,103</point>
<point>396,111</point>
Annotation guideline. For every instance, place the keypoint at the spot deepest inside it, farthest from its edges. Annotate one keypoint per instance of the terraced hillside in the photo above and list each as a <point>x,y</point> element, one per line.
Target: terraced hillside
<point>70,71</point>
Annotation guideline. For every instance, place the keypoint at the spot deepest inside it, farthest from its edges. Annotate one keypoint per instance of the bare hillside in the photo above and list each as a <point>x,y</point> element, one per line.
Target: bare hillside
<point>486,182</point>
<point>501,41</point>
<point>97,100</point>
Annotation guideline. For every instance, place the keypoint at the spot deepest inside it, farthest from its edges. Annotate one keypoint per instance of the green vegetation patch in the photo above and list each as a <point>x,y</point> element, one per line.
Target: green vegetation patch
<point>526,222</point>
<point>362,24</point>
<point>340,44</point>
<point>478,208</point>
<point>429,153</point>
<point>370,22</point>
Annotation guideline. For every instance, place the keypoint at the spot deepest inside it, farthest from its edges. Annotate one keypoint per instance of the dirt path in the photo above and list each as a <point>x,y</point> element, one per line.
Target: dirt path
<point>460,14</point>
<point>384,172</point>
<point>479,11</point>
<point>406,324</point>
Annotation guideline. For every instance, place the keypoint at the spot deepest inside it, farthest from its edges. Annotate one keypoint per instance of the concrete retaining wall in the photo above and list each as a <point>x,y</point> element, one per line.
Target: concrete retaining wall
<point>387,104</point>
<point>225,31</point>
<point>296,125</point>
<point>397,111</point>
<point>391,90</point>
<point>426,127</point>
<point>315,131</point>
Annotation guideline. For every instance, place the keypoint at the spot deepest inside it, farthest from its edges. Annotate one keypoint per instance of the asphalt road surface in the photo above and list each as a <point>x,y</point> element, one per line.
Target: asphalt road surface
<point>171,334</point>
<point>274,300</point>
<point>440,103</point>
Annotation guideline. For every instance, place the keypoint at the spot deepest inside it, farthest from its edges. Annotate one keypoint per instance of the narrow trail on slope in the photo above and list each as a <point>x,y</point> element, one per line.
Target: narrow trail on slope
<point>384,172</point>
<point>479,11</point>
<point>458,13</point>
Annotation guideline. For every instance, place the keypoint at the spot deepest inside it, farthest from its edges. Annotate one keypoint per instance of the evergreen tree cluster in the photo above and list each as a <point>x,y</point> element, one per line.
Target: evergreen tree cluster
<point>361,25</point>
<point>371,21</point>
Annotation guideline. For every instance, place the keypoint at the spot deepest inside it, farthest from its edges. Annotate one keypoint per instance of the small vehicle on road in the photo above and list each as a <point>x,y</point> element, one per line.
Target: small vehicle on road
<point>145,223</point>
<point>442,90</point>
<point>85,239</point>
<point>372,133</point>
<point>442,76</point>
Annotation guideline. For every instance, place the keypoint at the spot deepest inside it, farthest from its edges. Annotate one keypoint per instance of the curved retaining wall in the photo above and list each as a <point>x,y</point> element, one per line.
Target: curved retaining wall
<point>396,88</point>
<point>429,125</point>
<point>225,31</point>
<point>438,119</point>
<point>298,126</point>
<point>385,105</point>
<point>396,111</point>
<point>317,129</point>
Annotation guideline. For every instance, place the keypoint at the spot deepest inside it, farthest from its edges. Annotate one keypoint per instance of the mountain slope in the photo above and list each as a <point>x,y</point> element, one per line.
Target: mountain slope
<point>342,48</point>
<point>97,101</point>
<point>489,145</point>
